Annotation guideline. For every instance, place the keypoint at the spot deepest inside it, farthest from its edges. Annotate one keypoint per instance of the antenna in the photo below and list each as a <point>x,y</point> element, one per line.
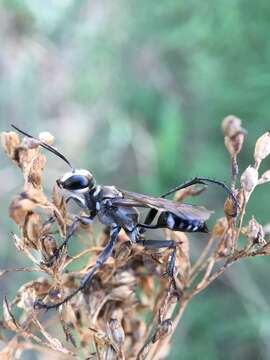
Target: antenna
<point>45,146</point>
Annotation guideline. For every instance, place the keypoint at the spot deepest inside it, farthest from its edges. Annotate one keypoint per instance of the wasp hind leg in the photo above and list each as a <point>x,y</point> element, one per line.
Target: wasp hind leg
<point>107,251</point>
<point>203,181</point>
<point>197,180</point>
<point>158,244</point>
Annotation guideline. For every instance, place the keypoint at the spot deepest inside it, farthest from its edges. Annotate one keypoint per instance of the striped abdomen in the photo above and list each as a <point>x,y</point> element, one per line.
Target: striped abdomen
<point>173,222</point>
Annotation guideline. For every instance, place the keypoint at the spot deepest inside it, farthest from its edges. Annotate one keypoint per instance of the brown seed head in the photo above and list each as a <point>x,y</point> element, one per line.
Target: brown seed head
<point>254,232</point>
<point>46,137</point>
<point>234,134</point>
<point>49,246</point>
<point>220,227</point>
<point>264,178</point>
<point>249,179</point>
<point>262,147</point>
<point>116,332</point>
<point>231,125</point>
<point>230,208</point>
<point>10,141</point>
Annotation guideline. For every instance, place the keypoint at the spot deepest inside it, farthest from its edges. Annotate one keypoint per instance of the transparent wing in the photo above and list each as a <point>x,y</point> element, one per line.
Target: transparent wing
<point>185,211</point>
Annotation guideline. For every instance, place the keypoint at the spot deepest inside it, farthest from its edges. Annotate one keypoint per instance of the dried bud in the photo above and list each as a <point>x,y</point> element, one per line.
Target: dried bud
<point>220,227</point>
<point>116,332</point>
<point>226,244</point>
<point>49,246</point>
<point>254,232</point>
<point>231,125</point>
<point>30,292</point>
<point>264,178</point>
<point>32,229</point>
<point>46,137</point>
<point>163,330</point>
<point>10,141</point>
<point>235,143</point>
<point>262,147</point>
<point>249,179</point>
<point>34,173</point>
<point>24,202</point>
<point>230,208</point>
<point>234,134</point>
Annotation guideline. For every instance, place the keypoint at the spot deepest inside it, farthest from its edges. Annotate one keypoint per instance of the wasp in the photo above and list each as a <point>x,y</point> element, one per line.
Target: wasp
<point>119,209</point>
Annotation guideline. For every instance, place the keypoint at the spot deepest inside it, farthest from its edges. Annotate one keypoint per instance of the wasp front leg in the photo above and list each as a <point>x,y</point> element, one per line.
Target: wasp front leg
<point>85,220</point>
<point>106,253</point>
<point>78,219</point>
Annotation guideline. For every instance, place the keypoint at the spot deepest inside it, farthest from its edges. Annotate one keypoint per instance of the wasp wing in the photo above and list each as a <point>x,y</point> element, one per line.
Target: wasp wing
<point>185,211</point>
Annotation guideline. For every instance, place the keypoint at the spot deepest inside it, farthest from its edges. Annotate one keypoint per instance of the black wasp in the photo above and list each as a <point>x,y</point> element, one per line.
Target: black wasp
<point>118,209</point>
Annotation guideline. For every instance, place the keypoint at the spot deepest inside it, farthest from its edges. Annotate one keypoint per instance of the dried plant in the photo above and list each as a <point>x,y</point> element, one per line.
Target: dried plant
<point>129,310</point>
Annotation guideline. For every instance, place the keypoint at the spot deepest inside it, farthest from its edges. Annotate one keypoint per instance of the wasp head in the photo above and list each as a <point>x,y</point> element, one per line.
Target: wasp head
<point>77,181</point>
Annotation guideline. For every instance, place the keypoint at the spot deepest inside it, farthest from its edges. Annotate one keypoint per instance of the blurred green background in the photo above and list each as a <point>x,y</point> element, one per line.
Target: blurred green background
<point>136,91</point>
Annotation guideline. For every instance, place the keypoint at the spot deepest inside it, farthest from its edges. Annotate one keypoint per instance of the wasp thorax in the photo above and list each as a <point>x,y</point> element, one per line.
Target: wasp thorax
<point>77,180</point>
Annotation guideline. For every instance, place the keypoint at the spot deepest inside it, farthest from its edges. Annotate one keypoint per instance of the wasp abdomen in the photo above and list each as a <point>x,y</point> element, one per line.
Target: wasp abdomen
<point>176,223</point>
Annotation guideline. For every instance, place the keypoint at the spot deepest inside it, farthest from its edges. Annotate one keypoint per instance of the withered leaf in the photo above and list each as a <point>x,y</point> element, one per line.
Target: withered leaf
<point>30,292</point>
<point>34,173</point>
<point>25,202</point>
<point>10,141</point>
<point>32,229</point>
<point>116,332</point>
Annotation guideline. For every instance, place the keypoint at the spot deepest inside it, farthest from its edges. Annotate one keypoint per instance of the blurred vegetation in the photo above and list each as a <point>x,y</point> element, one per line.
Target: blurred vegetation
<point>135,91</point>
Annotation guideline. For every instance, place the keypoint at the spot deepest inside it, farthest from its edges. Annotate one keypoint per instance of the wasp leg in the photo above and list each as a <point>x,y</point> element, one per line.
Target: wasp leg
<point>72,228</point>
<point>79,201</point>
<point>85,220</point>
<point>158,244</point>
<point>197,180</point>
<point>203,181</point>
<point>107,251</point>
<point>153,212</point>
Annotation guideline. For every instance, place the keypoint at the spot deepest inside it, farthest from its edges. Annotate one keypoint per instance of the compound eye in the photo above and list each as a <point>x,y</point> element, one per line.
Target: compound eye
<point>76,182</point>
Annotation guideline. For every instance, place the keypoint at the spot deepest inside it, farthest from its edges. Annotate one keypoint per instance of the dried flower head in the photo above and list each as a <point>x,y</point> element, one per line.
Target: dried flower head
<point>234,134</point>
<point>262,147</point>
<point>230,208</point>
<point>46,137</point>
<point>249,179</point>
<point>231,125</point>
<point>254,232</point>
<point>220,227</point>
<point>10,142</point>
<point>264,178</point>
